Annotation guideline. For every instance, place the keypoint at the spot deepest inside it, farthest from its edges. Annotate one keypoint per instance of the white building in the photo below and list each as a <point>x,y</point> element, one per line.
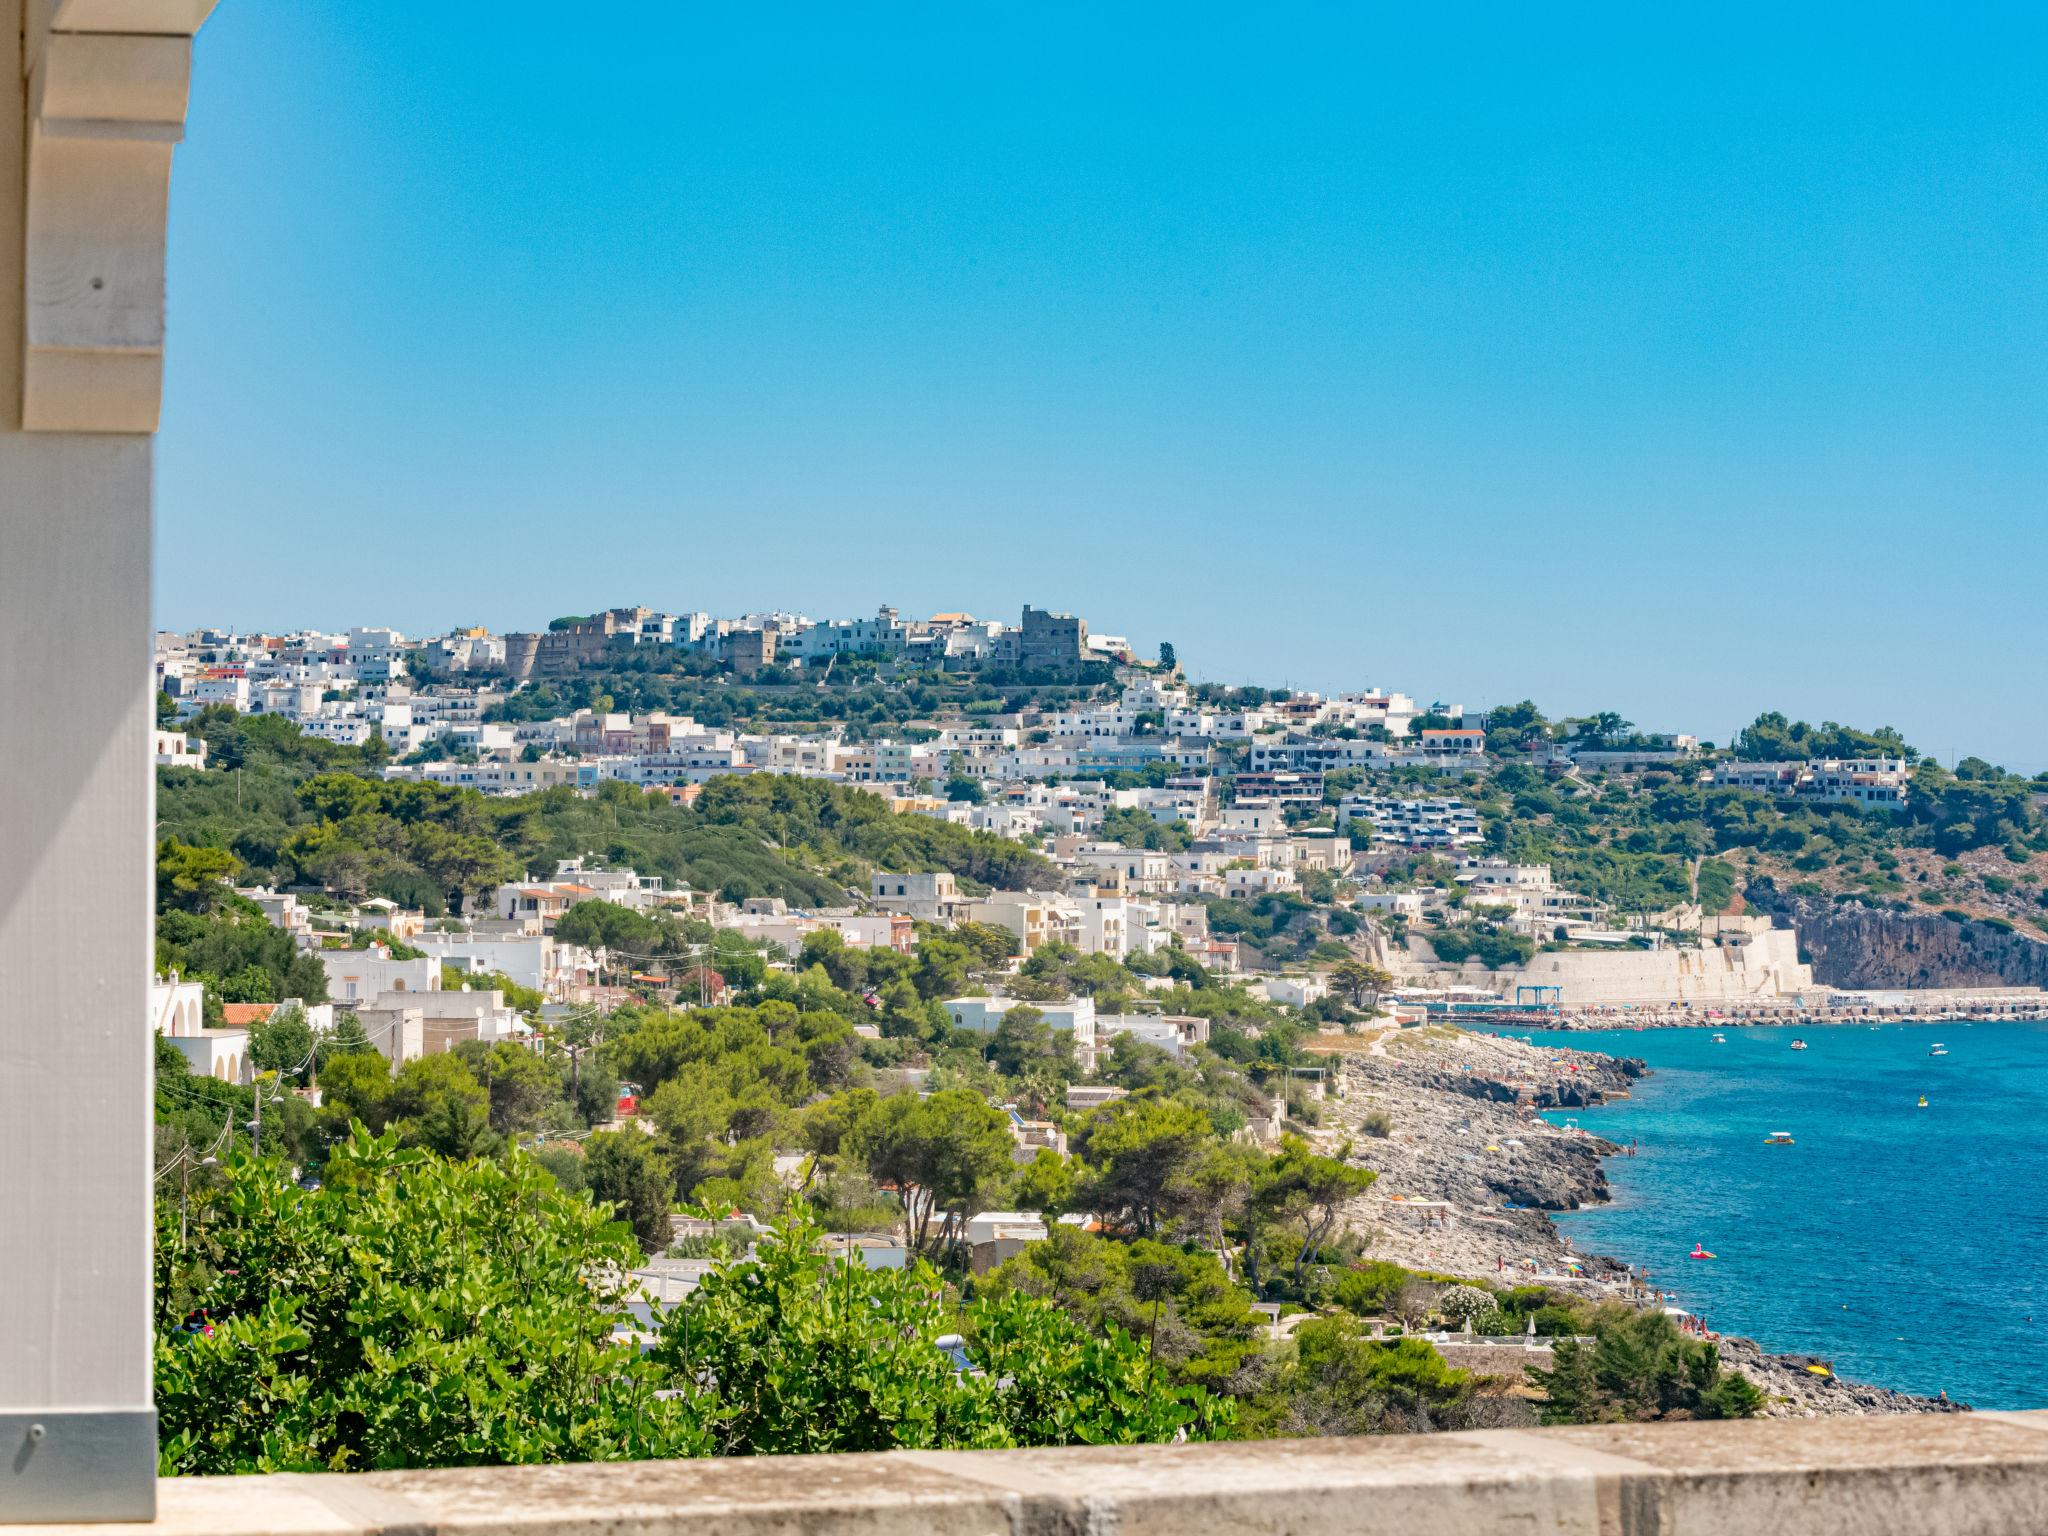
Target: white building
<point>177,1012</point>
<point>526,960</point>
<point>1075,1016</point>
<point>361,975</point>
<point>1172,1033</point>
<point>1035,917</point>
<point>1437,822</point>
<point>174,749</point>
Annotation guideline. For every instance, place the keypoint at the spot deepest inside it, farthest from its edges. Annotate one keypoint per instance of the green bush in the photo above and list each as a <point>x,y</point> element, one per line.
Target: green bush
<point>411,1312</point>
<point>416,1311</point>
<point>796,1351</point>
<point>1636,1366</point>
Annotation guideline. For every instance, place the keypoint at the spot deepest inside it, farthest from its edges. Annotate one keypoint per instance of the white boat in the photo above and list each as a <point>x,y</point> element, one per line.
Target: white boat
<point>1719,1038</point>
<point>1798,1045</point>
<point>1938,1049</point>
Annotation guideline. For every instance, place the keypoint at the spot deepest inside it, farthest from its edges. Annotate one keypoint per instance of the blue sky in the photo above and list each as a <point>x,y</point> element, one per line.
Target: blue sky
<point>1683,362</point>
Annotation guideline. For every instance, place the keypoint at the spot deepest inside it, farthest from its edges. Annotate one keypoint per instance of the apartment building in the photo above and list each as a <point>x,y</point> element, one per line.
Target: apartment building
<point>1882,782</point>
<point>1281,787</point>
<point>1434,823</point>
<point>1035,917</point>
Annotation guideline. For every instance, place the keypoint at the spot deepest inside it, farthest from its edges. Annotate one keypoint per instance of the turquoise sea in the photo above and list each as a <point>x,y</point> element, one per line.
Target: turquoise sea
<point>1908,1246</point>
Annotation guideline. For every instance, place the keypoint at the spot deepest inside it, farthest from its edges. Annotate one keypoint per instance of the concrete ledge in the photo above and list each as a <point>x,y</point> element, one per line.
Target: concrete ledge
<point>1953,1475</point>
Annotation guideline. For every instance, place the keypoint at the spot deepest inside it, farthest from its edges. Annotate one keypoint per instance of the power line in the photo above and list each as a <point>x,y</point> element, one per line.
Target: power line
<point>186,1153</point>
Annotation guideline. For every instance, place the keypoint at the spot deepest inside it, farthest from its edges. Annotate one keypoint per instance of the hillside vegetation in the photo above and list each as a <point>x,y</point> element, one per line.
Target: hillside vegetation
<point>298,811</point>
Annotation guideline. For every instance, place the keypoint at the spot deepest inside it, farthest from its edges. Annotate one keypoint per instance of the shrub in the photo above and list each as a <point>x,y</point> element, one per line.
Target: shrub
<point>1639,1366</point>
<point>411,1312</point>
<point>416,1311</point>
<point>798,1351</point>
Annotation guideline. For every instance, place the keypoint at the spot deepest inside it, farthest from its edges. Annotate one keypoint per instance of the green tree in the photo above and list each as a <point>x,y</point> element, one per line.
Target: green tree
<point>810,1353</point>
<point>283,1043</point>
<point>1341,1382</point>
<point>1361,983</point>
<point>1045,1184</point>
<point>1301,1187</point>
<point>192,879</point>
<point>356,1086</point>
<point>1198,1324</point>
<point>437,1102</point>
<point>1139,1153</point>
<point>624,1170</point>
<point>412,1312</point>
<point>1637,1365</point>
<point>1023,1043</point>
<point>519,1084</point>
<point>941,1152</point>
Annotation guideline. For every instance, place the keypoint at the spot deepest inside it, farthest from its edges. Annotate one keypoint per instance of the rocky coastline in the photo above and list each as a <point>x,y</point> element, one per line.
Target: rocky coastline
<point>1855,944</point>
<point>1469,1173</point>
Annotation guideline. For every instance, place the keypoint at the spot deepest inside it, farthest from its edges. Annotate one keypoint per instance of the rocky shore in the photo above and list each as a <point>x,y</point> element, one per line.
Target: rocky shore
<point>1468,1172</point>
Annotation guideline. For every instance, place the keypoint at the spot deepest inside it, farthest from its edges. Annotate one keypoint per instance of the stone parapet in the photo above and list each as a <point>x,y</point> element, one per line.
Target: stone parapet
<point>1980,1474</point>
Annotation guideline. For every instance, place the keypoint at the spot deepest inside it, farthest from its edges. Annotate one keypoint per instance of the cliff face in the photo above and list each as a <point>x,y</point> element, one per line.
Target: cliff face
<point>1866,947</point>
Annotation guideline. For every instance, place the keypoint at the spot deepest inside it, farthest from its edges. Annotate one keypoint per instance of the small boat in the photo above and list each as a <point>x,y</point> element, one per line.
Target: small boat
<point>1937,1049</point>
<point>1778,1139</point>
<point>1719,1038</point>
<point>1700,1253</point>
<point>1923,1102</point>
<point>1798,1045</point>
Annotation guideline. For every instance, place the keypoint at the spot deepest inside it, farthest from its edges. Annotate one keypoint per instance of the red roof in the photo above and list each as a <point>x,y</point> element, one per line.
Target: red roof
<point>242,1015</point>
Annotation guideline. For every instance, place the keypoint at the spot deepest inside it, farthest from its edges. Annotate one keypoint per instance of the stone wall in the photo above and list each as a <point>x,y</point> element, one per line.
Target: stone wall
<point>1983,1474</point>
<point>1767,966</point>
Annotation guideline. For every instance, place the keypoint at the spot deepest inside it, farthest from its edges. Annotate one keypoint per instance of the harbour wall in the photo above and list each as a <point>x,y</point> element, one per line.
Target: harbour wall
<point>1763,968</point>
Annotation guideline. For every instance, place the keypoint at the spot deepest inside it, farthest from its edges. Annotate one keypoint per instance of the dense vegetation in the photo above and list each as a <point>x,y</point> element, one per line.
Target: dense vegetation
<point>448,1292</point>
<point>298,811</point>
<point>1658,839</point>
<point>341,1326</point>
<point>418,1311</point>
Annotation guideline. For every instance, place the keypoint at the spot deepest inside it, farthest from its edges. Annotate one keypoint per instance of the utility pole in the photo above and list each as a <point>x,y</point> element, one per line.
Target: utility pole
<point>256,1125</point>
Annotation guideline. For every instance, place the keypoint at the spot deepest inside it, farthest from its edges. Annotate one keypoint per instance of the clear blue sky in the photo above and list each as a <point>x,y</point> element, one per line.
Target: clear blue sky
<point>1686,362</point>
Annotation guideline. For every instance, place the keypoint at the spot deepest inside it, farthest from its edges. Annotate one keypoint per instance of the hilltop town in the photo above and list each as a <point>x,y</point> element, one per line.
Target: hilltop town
<point>1484,859</point>
<point>1005,947</point>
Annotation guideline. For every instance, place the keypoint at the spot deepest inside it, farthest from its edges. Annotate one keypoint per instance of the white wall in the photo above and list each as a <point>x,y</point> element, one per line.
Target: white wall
<point>75,842</point>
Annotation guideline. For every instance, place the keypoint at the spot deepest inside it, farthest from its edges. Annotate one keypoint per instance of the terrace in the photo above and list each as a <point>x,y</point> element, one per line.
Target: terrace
<point>92,100</point>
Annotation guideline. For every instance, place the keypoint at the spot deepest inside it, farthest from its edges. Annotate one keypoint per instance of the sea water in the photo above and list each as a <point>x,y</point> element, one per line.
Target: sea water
<point>1907,1246</point>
